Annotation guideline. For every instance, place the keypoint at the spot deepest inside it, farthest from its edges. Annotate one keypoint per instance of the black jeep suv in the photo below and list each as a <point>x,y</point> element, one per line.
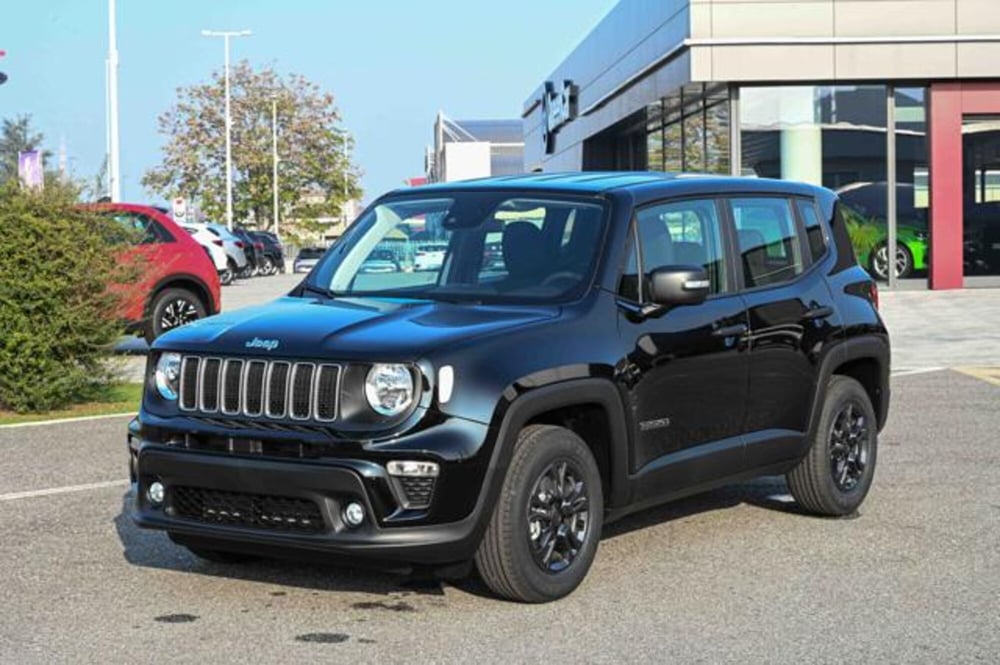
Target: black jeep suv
<point>640,337</point>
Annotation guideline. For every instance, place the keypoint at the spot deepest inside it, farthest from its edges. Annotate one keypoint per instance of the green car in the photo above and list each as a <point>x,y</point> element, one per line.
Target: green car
<point>864,209</point>
<point>911,251</point>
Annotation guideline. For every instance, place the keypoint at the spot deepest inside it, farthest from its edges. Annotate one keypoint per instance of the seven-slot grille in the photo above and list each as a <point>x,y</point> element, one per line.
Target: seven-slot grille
<point>260,388</point>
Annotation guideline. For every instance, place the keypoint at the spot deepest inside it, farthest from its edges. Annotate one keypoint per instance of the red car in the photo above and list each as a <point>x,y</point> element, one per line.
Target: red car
<point>178,283</point>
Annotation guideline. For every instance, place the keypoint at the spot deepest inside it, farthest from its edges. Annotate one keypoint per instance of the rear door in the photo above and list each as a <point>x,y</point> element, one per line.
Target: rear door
<point>789,308</point>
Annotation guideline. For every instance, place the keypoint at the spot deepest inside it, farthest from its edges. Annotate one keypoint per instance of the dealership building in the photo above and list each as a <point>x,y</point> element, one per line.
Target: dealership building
<point>895,104</point>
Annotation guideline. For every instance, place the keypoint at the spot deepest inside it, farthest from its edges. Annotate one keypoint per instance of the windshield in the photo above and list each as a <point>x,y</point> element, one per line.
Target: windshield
<point>468,246</point>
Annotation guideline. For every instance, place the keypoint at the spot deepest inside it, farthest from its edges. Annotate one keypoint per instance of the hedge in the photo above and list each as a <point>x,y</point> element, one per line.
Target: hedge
<point>58,319</point>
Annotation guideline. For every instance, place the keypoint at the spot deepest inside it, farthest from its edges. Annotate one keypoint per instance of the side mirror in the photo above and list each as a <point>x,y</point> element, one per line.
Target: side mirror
<point>679,285</point>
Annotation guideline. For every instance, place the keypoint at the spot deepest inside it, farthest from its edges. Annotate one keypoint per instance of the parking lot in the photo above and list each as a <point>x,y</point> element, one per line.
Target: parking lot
<point>735,575</point>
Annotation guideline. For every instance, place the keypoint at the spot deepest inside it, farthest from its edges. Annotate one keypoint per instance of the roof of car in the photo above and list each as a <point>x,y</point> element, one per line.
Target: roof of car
<point>593,182</point>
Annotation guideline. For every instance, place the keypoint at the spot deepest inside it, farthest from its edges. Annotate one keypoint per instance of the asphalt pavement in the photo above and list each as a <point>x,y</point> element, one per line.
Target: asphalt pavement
<point>735,575</point>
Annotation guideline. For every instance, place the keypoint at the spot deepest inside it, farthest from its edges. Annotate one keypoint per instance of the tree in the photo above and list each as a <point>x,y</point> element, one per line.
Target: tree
<point>17,136</point>
<point>315,176</point>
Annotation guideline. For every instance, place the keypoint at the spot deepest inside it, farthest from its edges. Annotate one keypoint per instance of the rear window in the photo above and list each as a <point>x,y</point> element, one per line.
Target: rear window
<point>310,253</point>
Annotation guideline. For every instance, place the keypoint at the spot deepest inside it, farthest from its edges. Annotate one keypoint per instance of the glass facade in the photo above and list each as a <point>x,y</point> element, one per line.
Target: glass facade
<point>981,195</point>
<point>835,136</point>
<point>829,135</point>
<point>689,131</point>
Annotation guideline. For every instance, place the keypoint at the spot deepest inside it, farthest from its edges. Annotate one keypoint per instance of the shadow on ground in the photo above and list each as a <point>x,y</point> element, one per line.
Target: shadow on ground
<point>153,549</point>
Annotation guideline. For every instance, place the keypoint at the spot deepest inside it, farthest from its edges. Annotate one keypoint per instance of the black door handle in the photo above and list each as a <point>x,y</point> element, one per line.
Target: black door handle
<point>730,331</point>
<point>814,313</point>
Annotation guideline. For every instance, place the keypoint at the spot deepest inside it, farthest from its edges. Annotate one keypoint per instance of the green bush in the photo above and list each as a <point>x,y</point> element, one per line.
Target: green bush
<point>58,318</point>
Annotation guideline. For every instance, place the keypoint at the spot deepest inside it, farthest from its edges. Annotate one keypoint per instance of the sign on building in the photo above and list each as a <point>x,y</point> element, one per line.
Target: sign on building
<point>559,106</point>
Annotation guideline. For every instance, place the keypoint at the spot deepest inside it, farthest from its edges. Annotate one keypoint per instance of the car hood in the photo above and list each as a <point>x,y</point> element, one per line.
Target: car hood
<point>355,328</point>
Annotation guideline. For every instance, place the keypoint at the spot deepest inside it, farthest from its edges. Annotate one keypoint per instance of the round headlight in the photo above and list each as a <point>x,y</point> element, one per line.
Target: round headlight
<point>168,374</point>
<point>389,389</point>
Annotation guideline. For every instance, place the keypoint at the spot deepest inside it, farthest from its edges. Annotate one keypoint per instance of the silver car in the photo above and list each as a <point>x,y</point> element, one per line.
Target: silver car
<point>230,243</point>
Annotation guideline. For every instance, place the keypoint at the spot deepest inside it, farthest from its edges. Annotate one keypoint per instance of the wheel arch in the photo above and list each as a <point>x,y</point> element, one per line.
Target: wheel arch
<point>591,408</point>
<point>182,281</point>
<point>864,359</point>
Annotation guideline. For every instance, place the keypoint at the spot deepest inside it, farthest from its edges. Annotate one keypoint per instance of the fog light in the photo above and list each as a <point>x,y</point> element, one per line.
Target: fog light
<point>155,493</point>
<point>354,514</point>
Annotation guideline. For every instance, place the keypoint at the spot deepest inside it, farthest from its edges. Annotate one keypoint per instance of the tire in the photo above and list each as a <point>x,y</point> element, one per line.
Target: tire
<point>507,559</point>
<point>226,276</point>
<point>172,308</point>
<point>904,262</point>
<point>268,268</point>
<point>847,430</point>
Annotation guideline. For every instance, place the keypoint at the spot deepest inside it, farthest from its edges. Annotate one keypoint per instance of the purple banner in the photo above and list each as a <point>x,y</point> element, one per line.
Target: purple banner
<point>29,169</point>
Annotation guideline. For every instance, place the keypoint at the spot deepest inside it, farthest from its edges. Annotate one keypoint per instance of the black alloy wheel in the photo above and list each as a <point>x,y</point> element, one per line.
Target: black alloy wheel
<point>850,442</point>
<point>558,517</point>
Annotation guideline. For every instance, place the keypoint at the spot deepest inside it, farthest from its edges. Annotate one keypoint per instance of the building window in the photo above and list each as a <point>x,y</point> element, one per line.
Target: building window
<point>689,131</point>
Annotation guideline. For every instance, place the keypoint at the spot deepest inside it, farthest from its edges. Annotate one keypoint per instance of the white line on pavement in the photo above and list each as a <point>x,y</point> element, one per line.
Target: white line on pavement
<point>56,421</point>
<point>31,494</point>
<point>921,370</point>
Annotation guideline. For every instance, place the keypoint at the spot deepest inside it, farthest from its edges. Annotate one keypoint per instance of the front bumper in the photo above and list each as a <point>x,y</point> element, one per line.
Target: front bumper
<point>448,532</point>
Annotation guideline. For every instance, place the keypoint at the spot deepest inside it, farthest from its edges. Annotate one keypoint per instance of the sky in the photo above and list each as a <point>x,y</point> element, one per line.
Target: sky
<point>391,64</point>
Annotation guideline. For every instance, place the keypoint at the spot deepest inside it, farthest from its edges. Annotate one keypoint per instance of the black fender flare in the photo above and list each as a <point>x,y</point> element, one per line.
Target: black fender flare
<point>558,395</point>
<point>866,347</point>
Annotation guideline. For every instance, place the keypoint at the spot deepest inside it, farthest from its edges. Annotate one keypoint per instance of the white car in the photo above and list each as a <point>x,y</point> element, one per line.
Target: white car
<point>236,258</point>
<point>216,252</point>
<point>429,257</point>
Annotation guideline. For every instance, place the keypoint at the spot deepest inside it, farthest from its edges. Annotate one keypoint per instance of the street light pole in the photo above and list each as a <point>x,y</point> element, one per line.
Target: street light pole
<point>274,155</point>
<point>114,168</point>
<point>226,35</point>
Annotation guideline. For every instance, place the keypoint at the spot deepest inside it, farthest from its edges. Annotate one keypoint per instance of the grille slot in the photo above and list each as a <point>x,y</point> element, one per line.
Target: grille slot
<point>302,392</point>
<point>277,389</point>
<point>327,392</point>
<point>274,389</point>
<point>189,383</point>
<point>253,388</point>
<point>232,379</point>
<point>261,511</point>
<point>209,392</point>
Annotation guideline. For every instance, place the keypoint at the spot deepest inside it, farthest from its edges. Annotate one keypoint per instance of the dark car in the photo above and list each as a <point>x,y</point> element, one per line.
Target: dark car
<point>272,251</point>
<point>649,337</point>
<point>380,261</point>
<point>254,250</point>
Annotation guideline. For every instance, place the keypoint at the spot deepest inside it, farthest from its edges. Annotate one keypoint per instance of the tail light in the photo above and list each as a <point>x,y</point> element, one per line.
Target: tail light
<point>874,293</point>
<point>239,243</point>
<point>217,242</point>
<point>258,245</point>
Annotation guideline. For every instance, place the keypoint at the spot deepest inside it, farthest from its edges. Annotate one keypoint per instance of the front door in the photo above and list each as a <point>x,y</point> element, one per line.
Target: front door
<point>686,368</point>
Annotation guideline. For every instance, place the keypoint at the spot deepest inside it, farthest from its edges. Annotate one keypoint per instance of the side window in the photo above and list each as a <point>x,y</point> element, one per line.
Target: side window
<point>144,230</point>
<point>814,231</point>
<point>683,233</point>
<point>770,251</point>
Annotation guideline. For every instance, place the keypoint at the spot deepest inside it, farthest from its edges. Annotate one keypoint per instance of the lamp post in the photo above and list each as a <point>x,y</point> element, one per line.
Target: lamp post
<point>226,35</point>
<point>114,165</point>
<point>274,155</point>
